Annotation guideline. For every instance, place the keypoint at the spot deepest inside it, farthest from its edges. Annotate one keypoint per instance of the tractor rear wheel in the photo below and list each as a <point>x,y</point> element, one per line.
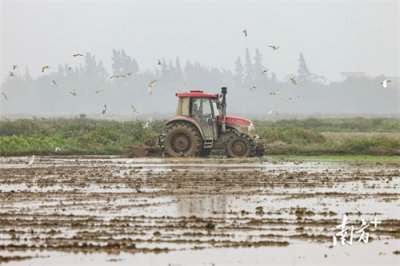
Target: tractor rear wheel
<point>239,146</point>
<point>182,139</point>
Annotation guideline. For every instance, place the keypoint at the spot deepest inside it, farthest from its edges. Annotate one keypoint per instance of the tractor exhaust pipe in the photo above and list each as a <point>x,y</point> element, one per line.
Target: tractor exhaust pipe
<point>224,91</point>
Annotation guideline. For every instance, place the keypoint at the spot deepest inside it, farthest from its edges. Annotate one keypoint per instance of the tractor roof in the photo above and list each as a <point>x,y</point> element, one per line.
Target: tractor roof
<point>197,94</point>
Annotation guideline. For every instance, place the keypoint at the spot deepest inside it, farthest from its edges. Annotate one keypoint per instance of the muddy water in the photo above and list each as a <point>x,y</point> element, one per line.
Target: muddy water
<point>107,210</point>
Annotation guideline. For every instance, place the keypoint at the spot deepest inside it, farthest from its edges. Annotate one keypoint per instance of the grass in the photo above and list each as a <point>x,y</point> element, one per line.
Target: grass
<point>338,158</point>
<point>354,124</point>
<point>72,136</point>
<point>286,137</point>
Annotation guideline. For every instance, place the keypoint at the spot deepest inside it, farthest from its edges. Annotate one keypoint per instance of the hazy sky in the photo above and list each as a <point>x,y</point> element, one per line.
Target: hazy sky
<point>334,36</point>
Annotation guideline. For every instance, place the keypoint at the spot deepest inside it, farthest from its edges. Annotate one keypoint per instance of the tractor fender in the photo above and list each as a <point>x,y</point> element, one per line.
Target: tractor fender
<point>187,120</point>
<point>239,129</point>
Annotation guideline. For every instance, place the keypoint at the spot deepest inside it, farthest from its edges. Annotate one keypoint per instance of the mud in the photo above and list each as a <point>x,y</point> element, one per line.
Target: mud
<point>150,207</point>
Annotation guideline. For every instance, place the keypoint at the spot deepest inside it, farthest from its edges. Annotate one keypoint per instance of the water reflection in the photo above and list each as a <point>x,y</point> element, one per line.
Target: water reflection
<point>202,206</point>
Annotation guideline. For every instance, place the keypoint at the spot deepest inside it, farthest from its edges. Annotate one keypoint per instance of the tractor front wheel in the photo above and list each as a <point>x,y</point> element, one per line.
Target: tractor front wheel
<point>182,139</point>
<point>239,146</point>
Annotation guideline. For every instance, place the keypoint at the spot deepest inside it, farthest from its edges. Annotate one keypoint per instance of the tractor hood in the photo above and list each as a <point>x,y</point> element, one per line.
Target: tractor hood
<point>236,120</point>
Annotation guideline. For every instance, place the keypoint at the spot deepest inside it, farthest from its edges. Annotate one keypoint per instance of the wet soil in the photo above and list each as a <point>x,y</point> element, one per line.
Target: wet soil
<point>113,205</point>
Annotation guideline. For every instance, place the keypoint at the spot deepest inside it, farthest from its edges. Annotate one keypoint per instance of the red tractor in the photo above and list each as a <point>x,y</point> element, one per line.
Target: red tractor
<point>201,124</point>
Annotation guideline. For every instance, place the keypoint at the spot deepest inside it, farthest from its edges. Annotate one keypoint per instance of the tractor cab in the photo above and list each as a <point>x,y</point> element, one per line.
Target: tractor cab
<point>203,109</point>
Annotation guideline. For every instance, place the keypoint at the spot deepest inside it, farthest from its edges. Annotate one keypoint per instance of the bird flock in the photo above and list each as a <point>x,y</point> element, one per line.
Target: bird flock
<point>74,93</point>
<point>151,85</point>
<point>293,81</point>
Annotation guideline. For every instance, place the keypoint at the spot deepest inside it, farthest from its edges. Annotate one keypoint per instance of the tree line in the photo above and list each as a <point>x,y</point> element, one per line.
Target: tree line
<point>250,81</point>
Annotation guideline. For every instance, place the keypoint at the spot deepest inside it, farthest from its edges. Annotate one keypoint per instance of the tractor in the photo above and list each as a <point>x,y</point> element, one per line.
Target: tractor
<point>201,125</point>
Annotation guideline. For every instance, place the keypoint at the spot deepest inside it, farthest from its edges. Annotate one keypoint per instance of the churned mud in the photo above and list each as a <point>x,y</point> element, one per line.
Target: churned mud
<point>156,207</point>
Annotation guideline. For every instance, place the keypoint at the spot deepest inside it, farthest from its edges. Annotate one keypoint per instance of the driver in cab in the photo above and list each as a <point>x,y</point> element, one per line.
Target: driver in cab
<point>196,110</point>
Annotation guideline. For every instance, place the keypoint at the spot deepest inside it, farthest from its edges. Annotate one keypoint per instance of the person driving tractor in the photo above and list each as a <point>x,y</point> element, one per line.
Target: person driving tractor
<point>196,110</point>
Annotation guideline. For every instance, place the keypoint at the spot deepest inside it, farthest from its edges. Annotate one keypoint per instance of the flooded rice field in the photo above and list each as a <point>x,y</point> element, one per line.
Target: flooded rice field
<point>110,210</point>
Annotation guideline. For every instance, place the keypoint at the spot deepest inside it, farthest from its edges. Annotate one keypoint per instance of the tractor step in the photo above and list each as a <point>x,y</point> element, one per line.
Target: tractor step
<point>208,143</point>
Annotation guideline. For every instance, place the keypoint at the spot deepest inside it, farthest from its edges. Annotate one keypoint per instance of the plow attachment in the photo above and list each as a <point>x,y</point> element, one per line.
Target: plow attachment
<point>149,149</point>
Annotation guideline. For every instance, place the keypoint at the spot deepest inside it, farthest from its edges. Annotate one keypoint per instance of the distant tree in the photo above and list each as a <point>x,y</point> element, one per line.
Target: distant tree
<point>260,77</point>
<point>249,73</point>
<point>239,71</point>
<point>171,71</point>
<point>188,73</point>
<point>197,76</point>
<point>93,70</point>
<point>28,77</point>
<point>179,72</point>
<point>164,68</point>
<point>303,74</point>
<point>258,66</point>
<point>122,63</point>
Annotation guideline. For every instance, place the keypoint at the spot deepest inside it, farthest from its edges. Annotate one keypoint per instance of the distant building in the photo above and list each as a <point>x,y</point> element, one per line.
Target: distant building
<point>346,75</point>
<point>352,74</point>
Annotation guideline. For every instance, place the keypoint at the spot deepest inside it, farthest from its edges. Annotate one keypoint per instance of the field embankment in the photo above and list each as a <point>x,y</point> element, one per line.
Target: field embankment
<point>344,136</point>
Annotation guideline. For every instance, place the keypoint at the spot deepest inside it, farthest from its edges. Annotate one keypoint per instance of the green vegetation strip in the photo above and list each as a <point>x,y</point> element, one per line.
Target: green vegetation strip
<point>317,137</point>
<point>338,158</point>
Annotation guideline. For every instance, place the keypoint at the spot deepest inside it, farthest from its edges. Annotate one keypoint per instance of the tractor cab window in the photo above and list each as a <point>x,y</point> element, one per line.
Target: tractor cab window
<point>201,107</point>
<point>203,110</point>
<point>206,108</point>
<point>215,106</point>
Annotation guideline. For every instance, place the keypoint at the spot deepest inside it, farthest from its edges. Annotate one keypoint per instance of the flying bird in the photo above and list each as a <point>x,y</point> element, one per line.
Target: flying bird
<point>45,67</point>
<point>158,62</point>
<point>385,83</point>
<point>32,160</point>
<point>5,96</point>
<point>272,112</point>
<point>274,47</point>
<point>253,88</point>
<point>76,55</point>
<point>274,93</point>
<point>293,80</point>
<point>11,74</point>
<point>57,149</point>
<point>97,91</point>
<point>151,85</point>
<point>53,83</point>
<point>14,67</point>
<point>245,32</point>
<point>117,76</point>
<point>146,125</point>
<point>103,112</point>
<point>73,92</point>
<point>135,110</point>
<point>264,71</point>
